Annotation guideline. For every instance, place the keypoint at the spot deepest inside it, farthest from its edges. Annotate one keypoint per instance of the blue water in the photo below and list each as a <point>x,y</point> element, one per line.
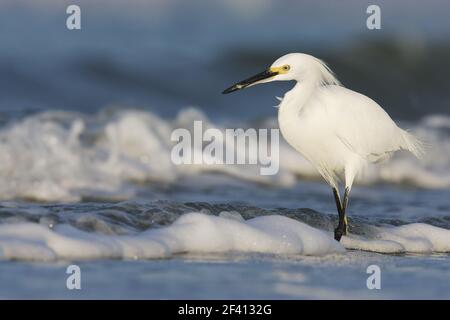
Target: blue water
<point>234,276</point>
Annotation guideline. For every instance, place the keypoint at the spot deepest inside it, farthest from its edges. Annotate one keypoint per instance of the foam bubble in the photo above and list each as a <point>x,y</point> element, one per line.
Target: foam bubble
<point>412,238</point>
<point>201,233</point>
<point>193,233</point>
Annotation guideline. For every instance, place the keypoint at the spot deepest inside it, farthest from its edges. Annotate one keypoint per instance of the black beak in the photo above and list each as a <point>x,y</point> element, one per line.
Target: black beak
<point>247,82</point>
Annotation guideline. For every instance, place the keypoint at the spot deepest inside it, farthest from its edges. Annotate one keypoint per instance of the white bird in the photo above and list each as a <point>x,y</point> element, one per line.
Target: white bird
<point>339,131</point>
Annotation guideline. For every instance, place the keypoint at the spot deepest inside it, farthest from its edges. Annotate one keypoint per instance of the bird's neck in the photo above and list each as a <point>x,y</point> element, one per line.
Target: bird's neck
<point>296,98</point>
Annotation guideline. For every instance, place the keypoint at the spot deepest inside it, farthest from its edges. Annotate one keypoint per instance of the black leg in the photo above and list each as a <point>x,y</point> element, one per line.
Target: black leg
<point>337,199</point>
<point>340,230</point>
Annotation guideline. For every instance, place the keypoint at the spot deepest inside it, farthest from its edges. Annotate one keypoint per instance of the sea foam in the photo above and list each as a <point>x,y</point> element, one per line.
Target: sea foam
<point>412,238</point>
<point>201,233</point>
<point>62,156</point>
<point>191,233</point>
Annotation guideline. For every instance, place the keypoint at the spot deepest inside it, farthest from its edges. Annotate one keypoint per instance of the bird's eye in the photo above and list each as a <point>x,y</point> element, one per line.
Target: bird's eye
<point>286,67</point>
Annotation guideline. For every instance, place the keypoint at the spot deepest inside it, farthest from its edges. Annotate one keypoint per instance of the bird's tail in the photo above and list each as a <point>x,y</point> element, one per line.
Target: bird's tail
<point>413,144</point>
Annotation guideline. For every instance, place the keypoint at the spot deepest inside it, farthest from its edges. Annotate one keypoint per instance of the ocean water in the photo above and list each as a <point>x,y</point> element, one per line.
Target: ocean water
<point>86,176</point>
<point>160,249</point>
<point>100,191</point>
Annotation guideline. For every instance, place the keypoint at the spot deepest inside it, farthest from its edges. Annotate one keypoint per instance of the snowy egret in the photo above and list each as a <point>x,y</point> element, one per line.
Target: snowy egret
<point>338,130</point>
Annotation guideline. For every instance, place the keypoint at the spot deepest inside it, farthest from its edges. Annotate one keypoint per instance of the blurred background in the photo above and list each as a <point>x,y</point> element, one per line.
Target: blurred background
<point>164,55</point>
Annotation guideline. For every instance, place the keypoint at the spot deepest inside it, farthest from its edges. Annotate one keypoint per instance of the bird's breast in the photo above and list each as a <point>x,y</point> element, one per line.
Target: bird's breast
<point>311,134</point>
<point>294,127</point>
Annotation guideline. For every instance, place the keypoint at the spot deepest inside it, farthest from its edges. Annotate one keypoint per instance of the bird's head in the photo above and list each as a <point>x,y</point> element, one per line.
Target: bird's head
<point>293,66</point>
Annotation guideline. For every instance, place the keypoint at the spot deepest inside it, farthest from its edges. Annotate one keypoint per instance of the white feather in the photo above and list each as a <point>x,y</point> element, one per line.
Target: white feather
<point>338,130</point>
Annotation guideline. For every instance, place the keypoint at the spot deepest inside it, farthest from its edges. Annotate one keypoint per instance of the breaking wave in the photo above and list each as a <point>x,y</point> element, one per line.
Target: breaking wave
<point>65,156</point>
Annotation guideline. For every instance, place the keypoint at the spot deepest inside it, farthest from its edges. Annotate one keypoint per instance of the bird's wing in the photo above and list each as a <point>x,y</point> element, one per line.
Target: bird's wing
<point>363,126</point>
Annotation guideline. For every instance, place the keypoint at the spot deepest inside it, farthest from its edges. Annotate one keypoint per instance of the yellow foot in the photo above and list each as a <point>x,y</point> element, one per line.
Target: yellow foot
<point>345,226</point>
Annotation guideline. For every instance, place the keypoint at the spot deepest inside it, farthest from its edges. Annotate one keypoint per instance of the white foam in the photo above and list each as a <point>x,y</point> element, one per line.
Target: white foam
<point>201,233</point>
<point>410,238</point>
<point>60,156</point>
<point>193,233</point>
